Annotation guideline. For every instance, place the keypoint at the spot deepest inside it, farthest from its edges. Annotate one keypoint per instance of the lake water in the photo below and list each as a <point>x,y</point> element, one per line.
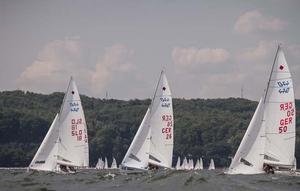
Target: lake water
<point>85,180</point>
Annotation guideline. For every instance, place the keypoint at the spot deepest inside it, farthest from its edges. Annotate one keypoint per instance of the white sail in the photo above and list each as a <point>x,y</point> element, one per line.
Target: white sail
<point>161,122</point>
<point>66,142</point>
<point>45,158</point>
<point>178,164</point>
<point>201,164</point>
<point>191,164</point>
<point>197,165</point>
<point>105,163</point>
<point>250,154</point>
<point>100,164</point>
<point>280,115</point>
<point>211,165</point>
<point>73,141</point>
<point>137,155</point>
<point>184,165</point>
<point>114,164</point>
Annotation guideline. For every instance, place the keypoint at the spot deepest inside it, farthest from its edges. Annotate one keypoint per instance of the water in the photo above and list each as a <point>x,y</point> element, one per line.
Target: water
<point>85,180</point>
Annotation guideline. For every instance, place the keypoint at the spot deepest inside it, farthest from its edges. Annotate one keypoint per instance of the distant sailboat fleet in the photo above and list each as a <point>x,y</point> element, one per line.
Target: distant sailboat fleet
<point>267,146</point>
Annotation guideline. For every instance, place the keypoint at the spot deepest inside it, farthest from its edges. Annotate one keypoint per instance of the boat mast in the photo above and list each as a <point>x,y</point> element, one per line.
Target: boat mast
<point>156,90</point>
<point>265,97</point>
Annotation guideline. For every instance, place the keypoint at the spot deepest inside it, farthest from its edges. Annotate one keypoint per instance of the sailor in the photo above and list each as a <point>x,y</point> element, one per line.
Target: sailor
<point>268,169</point>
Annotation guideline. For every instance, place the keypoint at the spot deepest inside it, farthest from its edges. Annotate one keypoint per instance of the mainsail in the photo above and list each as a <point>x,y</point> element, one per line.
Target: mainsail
<point>280,115</point>
<point>270,137</point>
<point>161,122</point>
<point>153,142</point>
<point>66,142</point>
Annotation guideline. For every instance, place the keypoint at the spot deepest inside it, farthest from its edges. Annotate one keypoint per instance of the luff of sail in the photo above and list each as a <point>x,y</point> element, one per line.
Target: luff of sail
<point>161,121</point>
<point>280,115</point>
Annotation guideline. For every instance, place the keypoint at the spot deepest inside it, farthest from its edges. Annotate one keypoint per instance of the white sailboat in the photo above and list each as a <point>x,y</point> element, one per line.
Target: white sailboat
<point>184,165</point>
<point>114,164</point>
<point>269,142</point>
<point>211,165</point>
<point>100,164</point>
<point>153,142</point>
<point>65,145</point>
<point>201,164</point>
<point>191,164</point>
<point>178,164</point>
<point>105,163</point>
<point>197,165</point>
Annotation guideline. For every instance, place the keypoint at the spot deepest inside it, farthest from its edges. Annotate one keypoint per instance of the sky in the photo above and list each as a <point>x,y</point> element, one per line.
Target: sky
<point>209,49</point>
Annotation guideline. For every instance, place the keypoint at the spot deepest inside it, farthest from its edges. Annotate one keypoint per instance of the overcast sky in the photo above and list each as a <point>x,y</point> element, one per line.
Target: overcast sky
<point>210,49</point>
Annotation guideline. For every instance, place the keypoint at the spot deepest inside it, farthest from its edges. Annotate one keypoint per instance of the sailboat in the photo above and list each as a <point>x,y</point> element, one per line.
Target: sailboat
<point>197,165</point>
<point>153,142</point>
<point>100,164</point>
<point>65,146</point>
<point>211,165</point>
<point>191,164</point>
<point>201,164</point>
<point>178,164</point>
<point>269,142</point>
<point>105,163</point>
<point>114,164</point>
<point>184,165</point>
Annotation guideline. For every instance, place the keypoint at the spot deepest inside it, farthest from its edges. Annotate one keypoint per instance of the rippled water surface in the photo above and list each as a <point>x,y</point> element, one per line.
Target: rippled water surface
<point>85,180</point>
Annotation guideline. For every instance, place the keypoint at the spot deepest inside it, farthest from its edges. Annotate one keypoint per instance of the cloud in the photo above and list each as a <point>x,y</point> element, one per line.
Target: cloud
<point>116,59</point>
<point>194,56</point>
<point>253,21</point>
<point>60,59</point>
<point>263,50</point>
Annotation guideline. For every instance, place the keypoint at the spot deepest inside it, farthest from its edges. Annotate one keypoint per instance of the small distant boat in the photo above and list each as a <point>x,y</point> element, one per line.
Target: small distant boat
<point>211,165</point>
<point>152,146</point>
<point>114,164</point>
<point>269,142</point>
<point>65,146</point>
<point>198,165</point>
<point>105,163</point>
<point>201,164</point>
<point>100,164</point>
<point>191,164</point>
<point>178,164</point>
<point>184,165</point>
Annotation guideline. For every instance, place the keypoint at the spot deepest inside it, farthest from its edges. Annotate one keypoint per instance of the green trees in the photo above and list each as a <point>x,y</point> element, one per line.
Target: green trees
<point>208,128</point>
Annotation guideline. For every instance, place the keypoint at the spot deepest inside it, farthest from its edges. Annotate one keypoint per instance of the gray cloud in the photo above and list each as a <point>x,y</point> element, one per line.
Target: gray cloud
<point>60,59</point>
<point>253,21</point>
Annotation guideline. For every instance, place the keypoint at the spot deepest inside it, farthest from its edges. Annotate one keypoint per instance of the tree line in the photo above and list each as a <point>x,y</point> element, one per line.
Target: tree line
<point>207,128</point>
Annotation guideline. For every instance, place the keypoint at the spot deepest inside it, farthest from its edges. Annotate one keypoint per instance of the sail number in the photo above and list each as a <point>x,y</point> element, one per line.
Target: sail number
<point>289,110</point>
<point>283,86</point>
<point>167,130</point>
<point>76,132</point>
